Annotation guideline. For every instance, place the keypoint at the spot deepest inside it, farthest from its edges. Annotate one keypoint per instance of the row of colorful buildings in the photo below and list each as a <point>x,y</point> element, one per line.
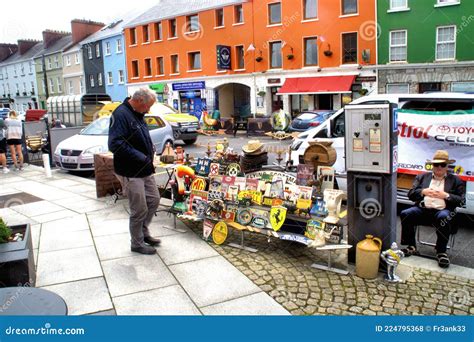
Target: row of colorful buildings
<point>251,57</point>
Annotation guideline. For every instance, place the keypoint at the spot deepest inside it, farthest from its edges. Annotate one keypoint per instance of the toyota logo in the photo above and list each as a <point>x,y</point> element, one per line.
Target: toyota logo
<point>443,129</point>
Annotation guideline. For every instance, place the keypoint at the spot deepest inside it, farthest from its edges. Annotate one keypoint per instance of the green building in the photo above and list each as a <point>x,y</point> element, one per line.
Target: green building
<point>425,45</point>
<point>49,65</point>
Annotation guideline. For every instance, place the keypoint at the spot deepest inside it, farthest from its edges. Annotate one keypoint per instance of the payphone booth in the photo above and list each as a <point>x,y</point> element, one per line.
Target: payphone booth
<point>371,162</point>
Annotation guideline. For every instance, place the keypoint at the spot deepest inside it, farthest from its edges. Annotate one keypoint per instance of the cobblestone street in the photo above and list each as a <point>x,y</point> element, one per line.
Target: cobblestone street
<point>282,269</point>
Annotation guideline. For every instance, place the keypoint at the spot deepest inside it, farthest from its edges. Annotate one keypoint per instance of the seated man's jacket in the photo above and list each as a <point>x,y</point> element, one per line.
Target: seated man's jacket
<point>453,185</point>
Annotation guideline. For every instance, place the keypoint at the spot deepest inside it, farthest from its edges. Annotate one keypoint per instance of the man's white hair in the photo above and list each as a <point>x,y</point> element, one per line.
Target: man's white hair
<point>144,95</point>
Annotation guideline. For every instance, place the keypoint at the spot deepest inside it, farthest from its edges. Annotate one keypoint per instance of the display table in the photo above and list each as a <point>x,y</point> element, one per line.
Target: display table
<point>31,301</point>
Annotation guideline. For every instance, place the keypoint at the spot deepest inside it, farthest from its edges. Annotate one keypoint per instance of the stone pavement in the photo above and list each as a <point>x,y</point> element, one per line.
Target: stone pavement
<point>82,252</point>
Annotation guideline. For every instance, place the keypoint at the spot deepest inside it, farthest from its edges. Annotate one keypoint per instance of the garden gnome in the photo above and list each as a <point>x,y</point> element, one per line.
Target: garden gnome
<point>392,257</point>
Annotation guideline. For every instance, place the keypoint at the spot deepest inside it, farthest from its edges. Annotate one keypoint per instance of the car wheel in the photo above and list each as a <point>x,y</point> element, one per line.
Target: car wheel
<point>190,141</point>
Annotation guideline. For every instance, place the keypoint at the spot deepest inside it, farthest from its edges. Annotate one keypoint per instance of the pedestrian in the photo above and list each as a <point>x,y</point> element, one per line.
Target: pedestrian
<point>436,195</point>
<point>3,147</point>
<point>14,133</point>
<point>130,142</point>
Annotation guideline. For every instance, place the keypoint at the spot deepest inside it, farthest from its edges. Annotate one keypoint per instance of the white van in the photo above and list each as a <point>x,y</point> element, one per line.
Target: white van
<point>433,103</point>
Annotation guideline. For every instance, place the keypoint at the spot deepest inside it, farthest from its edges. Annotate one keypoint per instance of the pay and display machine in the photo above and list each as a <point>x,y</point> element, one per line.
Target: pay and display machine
<point>371,147</point>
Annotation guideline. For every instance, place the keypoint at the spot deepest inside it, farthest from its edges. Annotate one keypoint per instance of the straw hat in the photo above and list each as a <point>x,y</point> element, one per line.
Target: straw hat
<point>441,156</point>
<point>253,147</point>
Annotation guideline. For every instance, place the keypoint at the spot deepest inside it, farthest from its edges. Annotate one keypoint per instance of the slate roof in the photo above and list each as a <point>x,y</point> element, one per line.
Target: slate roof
<point>28,55</point>
<point>174,8</point>
<point>57,46</point>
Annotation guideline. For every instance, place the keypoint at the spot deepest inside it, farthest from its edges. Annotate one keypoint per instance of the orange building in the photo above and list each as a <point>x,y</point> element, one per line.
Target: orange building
<point>254,57</point>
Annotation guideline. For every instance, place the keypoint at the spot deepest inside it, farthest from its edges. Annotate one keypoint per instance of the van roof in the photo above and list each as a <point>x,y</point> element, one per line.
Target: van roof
<point>396,98</point>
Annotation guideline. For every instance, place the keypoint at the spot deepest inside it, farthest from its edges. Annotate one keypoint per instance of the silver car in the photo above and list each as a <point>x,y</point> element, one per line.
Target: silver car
<point>77,152</point>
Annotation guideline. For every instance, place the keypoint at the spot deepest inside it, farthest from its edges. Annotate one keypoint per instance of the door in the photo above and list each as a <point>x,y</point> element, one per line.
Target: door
<point>325,101</point>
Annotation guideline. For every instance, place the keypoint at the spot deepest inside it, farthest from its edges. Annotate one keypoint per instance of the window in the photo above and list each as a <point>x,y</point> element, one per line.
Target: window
<point>135,69</point>
<point>91,81</point>
<point>24,88</point>
<point>349,7</point>
<point>274,13</point>
<point>446,43</point>
<point>398,46</point>
<point>110,78</point>
<point>68,60</point>
<point>398,4</point>
<point>76,57</point>
<point>160,68</point>
<point>81,85</point>
<point>427,87</point>
<point>99,79</point>
<point>174,64</point>
<point>398,88</point>
<point>97,50</point>
<point>219,17</point>
<point>192,23</point>
<point>51,85</point>
<point>239,51</point>
<point>17,87</point>
<point>43,85</point>
<point>448,2</point>
<point>60,86</point>
<point>22,69</point>
<point>50,64</point>
<point>15,72</point>
<point>275,55</point>
<point>349,48</point>
<point>118,46</point>
<point>107,48</point>
<point>89,52</point>
<point>158,31</point>
<point>238,14</point>
<point>56,61</point>
<point>147,67</point>
<point>30,65</point>
<point>70,88</point>
<point>462,87</point>
<point>310,9</point>
<point>172,28</point>
<point>310,51</point>
<point>146,34</point>
<point>194,60</point>
<point>133,36</point>
<point>32,87</point>
<point>154,122</point>
<point>121,78</point>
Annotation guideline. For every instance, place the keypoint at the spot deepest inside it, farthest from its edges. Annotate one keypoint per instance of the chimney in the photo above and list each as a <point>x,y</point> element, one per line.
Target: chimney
<point>50,37</point>
<point>6,50</point>
<point>25,44</point>
<point>83,28</point>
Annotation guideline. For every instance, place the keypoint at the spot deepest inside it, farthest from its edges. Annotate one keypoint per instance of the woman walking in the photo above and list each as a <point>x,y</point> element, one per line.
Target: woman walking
<point>14,134</point>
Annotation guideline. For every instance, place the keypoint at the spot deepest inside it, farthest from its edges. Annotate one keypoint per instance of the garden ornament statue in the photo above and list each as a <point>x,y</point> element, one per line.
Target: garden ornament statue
<point>392,257</point>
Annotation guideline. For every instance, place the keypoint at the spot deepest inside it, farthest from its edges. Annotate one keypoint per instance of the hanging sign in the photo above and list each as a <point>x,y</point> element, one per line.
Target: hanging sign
<point>223,57</point>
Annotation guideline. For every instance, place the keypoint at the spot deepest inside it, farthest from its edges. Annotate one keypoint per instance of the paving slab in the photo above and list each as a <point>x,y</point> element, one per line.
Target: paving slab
<point>84,296</point>
<point>113,246</point>
<point>35,235</point>
<point>64,184</point>
<point>55,241</point>
<point>72,223</point>
<point>11,217</point>
<point>191,247</point>
<point>84,205</point>
<point>57,215</point>
<point>212,280</point>
<point>81,188</point>
<point>67,265</point>
<point>171,300</point>
<point>109,227</point>
<point>37,208</point>
<point>136,274</point>
<point>254,305</point>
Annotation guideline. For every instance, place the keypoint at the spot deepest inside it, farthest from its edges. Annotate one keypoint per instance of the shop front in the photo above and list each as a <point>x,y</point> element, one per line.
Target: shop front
<point>190,97</point>
<point>161,90</point>
<point>317,93</point>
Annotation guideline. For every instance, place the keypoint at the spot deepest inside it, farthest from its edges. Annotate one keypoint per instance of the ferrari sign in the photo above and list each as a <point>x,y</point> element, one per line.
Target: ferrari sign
<point>277,217</point>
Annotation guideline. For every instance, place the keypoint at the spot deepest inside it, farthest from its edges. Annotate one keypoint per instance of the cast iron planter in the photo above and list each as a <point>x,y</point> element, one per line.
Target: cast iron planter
<point>17,265</point>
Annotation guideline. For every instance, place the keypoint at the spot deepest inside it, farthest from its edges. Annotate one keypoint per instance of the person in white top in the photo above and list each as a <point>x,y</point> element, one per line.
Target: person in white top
<point>3,147</point>
<point>436,195</point>
<point>14,134</point>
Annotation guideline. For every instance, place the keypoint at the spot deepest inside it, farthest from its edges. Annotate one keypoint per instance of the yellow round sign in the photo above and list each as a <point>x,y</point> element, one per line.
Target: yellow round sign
<point>198,184</point>
<point>219,233</point>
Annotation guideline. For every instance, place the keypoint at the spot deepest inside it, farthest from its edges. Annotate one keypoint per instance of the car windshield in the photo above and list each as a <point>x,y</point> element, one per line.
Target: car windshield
<point>307,116</point>
<point>98,127</point>
<point>161,109</point>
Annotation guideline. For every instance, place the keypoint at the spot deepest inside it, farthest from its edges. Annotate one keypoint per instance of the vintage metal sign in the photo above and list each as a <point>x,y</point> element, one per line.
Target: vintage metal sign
<point>261,174</point>
<point>277,217</point>
<point>207,228</point>
<point>219,234</point>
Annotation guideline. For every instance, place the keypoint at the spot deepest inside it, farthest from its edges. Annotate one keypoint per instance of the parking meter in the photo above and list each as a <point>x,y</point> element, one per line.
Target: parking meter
<point>371,149</point>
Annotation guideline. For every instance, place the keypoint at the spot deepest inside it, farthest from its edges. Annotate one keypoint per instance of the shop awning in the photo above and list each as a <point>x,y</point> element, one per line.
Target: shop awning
<point>318,85</point>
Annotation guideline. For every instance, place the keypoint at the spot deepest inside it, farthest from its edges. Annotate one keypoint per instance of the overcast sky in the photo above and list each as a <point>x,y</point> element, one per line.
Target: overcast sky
<point>27,19</point>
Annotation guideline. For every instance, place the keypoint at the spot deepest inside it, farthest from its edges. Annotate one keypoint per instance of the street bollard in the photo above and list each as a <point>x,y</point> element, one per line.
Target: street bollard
<point>47,167</point>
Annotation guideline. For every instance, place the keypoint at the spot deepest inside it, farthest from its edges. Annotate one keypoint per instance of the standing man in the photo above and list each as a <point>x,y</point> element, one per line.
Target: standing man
<point>130,142</point>
<point>436,195</point>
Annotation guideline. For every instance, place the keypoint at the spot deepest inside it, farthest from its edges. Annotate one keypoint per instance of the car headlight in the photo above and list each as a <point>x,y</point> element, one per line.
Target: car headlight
<point>57,150</point>
<point>93,150</point>
<point>174,124</point>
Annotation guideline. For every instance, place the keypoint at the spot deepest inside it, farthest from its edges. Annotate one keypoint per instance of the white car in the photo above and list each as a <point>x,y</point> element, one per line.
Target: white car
<point>77,152</point>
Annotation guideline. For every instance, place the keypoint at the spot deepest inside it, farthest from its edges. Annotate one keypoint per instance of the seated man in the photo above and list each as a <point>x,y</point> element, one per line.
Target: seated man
<point>436,195</point>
